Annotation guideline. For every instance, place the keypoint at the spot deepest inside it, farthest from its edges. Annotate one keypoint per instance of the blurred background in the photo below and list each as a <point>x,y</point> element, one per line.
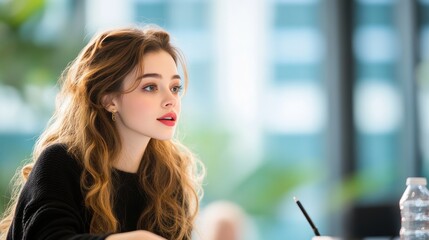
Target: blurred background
<point>325,100</point>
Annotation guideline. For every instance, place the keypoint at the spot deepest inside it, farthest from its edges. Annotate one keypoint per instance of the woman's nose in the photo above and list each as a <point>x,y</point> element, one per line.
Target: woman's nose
<point>170,100</point>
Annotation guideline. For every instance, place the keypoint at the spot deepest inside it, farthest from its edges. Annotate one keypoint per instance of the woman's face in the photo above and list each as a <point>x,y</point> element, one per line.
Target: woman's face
<point>152,109</point>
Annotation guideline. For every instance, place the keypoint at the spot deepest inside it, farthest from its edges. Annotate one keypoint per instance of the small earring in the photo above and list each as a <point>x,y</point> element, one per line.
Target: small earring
<point>114,116</point>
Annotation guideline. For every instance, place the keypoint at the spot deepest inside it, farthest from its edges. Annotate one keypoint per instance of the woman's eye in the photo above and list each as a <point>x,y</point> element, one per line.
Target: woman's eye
<point>177,89</point>
<point>150,88</point>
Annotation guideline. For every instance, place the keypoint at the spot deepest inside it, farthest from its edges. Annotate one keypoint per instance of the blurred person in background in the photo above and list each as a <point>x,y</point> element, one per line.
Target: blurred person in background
<point>107,166</point>
<point>224,220</point>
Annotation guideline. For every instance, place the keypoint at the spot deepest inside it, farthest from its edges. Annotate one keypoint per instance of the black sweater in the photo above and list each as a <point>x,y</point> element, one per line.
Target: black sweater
<point>51,203</point>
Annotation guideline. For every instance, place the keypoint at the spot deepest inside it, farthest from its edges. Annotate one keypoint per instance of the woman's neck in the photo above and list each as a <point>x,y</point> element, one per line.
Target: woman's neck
<point>131,154</point>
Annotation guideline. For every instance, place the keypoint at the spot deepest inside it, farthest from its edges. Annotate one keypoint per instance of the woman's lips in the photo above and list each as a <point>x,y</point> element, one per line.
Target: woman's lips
<point>169,123</point>
<point>168,119</point>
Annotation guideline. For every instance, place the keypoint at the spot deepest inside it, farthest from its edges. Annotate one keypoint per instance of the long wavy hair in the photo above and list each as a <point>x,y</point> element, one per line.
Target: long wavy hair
<point>169,173</point>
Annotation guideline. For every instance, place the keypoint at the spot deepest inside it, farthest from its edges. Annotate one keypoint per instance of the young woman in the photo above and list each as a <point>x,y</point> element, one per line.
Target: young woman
<point>106,167</point>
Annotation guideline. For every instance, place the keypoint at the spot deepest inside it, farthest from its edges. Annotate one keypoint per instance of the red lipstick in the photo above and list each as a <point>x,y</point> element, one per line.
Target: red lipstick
<point>168,119</point>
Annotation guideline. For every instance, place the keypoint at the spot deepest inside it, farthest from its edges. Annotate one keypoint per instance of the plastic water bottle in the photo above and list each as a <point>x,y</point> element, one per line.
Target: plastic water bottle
<point>414,205</point>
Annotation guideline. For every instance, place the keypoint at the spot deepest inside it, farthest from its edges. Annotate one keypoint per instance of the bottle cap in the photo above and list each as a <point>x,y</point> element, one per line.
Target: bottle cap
<point>416,181</point>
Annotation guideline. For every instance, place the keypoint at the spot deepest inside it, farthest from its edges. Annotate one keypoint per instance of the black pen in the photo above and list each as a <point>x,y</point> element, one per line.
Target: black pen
<point>316,232</point>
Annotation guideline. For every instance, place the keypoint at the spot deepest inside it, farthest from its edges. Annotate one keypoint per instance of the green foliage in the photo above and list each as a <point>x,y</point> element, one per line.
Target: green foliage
<point>422,75</point>
<point>211,146</point>
<point>261,192</point>
<point>26,59</point>
<point>358,186</point>
<point>18,51</point>
<point>18,12</point>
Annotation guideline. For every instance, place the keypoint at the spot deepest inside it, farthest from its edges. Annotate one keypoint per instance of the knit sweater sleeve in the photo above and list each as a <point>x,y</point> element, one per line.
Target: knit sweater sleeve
<point>50,205</point>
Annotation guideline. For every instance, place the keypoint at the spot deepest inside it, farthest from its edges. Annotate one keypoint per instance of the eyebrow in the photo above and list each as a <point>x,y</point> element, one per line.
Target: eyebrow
<point>157,75</point>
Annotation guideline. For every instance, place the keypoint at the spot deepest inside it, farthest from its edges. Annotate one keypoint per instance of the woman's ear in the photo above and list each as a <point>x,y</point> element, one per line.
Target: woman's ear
<point>108,102</point>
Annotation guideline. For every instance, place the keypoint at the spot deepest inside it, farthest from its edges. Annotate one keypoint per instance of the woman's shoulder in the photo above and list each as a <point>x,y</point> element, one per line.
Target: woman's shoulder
<point>55,159</point>
<point>55,175</point>
<point>55,149</point>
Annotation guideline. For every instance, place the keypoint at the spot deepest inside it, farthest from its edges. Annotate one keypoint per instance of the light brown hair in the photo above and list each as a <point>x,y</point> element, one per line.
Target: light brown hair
<point>169,174</point>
